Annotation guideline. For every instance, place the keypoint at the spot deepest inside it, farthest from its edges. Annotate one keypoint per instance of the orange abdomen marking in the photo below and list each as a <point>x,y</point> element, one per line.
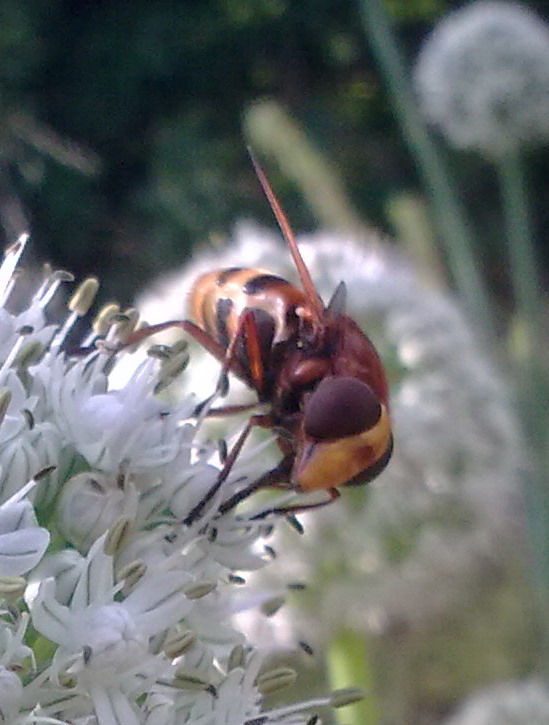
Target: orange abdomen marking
<point>218,298</point>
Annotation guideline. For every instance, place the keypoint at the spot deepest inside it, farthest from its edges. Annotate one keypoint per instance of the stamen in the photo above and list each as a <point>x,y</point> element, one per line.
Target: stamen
<point>5,400</point>
<point>179,644</point>
<point>237,657</point>
<point>78,305</point>
<point>7,268</point>
<point>346,696</point>
<point>102,322</point>
<point>132,573</point>
<point>29,354</point>
<point>282,712</point>
<point>171,369</point>
<point>116,536</point>
<point>197,590</point>
<point>12,586</point>
<point>83,298</point>
<point>127,324</point>
<point>272,606</point>
<point>275,680</point>
<point>189,680</point>
<point>50,286</point>
<point>14,352</point>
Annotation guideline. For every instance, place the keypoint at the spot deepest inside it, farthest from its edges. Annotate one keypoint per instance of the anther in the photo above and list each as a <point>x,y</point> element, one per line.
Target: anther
<point>197,590</point>
<point>5,400</point>
<point>105,318</point>
<point>275,680</point>
<point>346,696</point>
<point>83,298</point>
<point>132,573</point>
<point>272,606</point>
<point>180,643</point>
<point>116,535</point>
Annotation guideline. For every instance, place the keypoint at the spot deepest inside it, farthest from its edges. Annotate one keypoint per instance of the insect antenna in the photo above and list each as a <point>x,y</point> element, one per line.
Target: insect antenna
<point>289,236</point>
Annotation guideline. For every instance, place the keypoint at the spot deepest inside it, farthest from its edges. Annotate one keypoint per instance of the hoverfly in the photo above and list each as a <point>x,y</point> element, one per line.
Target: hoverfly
<point>318,373</point>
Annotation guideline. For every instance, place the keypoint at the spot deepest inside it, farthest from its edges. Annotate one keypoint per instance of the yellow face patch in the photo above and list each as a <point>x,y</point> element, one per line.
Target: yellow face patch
<point>333,463</point>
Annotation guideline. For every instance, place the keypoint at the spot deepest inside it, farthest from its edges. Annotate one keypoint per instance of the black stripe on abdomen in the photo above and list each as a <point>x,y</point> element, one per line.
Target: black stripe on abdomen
<point>226,274</point>
<point>263,282</point>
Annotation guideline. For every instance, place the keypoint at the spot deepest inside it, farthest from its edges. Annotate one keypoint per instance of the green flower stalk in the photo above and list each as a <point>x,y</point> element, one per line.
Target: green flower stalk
<point>456,237</point>
<point>483,79</point>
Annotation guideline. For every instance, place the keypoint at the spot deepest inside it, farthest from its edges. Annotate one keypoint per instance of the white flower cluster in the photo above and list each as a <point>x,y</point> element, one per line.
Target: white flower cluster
<point>483,76</point>
<point>506,703</point>
<point>113,612</point>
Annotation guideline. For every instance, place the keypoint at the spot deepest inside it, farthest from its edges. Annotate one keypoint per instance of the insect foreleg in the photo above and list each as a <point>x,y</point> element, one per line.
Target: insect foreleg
<point>196,512</point>
<point>202,337</point>
<point>276,476</point>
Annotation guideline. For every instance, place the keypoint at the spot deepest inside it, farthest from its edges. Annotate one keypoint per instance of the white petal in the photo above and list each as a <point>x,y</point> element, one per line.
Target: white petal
<point>20,551</point>
<point>158,602</point>
<point>14,516</point>
<point>96,582</point>
<point>112,707</point>
<point>48,616</point>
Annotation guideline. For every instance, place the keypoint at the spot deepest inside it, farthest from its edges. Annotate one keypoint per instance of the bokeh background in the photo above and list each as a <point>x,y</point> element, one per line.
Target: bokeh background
<point>123,151</point>
<point>122,125</point>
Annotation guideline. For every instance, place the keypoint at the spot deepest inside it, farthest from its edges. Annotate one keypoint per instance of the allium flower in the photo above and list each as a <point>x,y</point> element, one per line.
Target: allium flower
<point>483,76</point>
<point>506,703</point>
<point>128,617</point>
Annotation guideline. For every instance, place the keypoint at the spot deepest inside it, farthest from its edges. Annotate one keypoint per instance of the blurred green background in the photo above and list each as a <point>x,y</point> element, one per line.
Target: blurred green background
<point>122,140</point>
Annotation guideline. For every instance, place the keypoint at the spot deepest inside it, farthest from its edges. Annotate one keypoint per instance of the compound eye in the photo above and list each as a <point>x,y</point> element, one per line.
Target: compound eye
<point>341,407</point>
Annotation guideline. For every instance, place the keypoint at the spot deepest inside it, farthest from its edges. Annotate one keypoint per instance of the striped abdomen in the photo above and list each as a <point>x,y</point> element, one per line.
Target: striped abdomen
<point>218,298</point>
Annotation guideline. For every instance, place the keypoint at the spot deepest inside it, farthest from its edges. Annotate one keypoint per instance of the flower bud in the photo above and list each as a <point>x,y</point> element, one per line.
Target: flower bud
<point>88,506</point>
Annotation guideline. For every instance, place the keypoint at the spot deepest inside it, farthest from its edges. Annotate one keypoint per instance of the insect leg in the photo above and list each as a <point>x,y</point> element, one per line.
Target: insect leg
<point>197,333</point>
<point>226,410</point>
<point>278,474</point>
<point>333,494</point>
<point>196,512</point>
<point>246,333</point>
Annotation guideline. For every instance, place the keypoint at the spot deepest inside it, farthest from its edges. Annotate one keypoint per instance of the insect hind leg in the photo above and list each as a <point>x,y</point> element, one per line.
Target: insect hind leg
<point>272,478</point>
<point>333,494</point>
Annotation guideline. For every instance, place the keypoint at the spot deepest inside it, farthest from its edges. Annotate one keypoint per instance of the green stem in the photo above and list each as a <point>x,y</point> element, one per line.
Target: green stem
<point>531,371</point>
<point>522,260</point>
<point>348,666</point>
<point>448,212</point>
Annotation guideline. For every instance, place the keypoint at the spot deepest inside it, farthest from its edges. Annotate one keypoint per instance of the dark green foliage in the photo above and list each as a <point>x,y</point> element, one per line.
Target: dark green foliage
<point>155,91</point>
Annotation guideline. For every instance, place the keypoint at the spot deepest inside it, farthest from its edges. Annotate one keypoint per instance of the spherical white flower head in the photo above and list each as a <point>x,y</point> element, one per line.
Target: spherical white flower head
<point>140,624</point>
<point>483,77</point>
<point>508,703</point>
